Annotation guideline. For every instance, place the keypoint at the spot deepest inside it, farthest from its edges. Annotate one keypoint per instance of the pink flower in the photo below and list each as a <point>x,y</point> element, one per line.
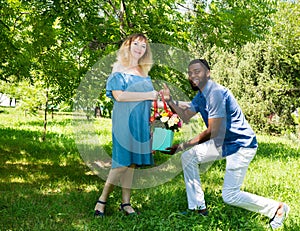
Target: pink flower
<point>179,124</point>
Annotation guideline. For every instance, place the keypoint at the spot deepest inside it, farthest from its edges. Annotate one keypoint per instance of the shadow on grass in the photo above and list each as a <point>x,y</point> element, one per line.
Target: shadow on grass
<point>41,183</point>
<point>22,152</point>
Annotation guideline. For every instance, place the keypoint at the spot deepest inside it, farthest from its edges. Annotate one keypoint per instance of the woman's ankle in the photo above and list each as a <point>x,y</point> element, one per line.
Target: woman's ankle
<point>127,207</point>
<point>100,205</point>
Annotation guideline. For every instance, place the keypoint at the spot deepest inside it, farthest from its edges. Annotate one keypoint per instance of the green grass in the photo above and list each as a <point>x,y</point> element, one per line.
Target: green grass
<point>47,185</point>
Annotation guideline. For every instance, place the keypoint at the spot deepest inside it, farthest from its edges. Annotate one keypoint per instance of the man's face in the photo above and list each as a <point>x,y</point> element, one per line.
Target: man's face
<point>198,76</point>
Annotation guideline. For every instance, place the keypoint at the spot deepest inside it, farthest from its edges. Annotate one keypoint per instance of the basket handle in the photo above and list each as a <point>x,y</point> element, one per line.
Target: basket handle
<point>155,111</point>
<point>164,102</point>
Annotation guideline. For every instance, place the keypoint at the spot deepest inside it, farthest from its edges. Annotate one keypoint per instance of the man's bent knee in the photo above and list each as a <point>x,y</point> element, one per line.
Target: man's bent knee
<point>186,157</point>
<point>230,197</point>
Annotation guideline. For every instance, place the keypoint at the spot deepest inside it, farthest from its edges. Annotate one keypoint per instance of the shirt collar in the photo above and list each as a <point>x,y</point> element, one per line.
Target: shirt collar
<point>207,87</point>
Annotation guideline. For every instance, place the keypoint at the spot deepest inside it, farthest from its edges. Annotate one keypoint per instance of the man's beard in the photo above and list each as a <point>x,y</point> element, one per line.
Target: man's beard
<point>194,87</point>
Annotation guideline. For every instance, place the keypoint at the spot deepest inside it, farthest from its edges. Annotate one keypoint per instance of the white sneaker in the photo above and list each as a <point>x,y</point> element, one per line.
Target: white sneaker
<point>277,221</point>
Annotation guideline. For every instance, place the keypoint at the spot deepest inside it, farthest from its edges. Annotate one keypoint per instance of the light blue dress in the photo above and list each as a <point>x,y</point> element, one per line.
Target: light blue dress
<point>130,121</point>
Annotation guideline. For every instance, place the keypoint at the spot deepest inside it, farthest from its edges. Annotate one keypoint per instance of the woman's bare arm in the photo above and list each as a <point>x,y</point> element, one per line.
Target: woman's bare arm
<point>127,96</point>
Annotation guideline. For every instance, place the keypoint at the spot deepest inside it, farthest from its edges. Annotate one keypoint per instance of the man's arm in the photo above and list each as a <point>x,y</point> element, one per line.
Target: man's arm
<point>211,132</point>
<point>183,112</point>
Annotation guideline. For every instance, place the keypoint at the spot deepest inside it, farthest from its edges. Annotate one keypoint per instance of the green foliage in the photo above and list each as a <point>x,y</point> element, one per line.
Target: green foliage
<point>230,24</point>
<point>253,47</point>
<point>55,44</point>
<point>264,76</point>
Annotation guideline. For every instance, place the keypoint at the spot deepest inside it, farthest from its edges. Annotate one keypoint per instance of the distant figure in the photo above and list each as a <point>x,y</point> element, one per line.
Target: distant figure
<point>98,113</point>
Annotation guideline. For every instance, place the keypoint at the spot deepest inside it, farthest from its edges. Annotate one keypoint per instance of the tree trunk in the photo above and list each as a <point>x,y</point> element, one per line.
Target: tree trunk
<point>45,117</point>
<point>52,110</point>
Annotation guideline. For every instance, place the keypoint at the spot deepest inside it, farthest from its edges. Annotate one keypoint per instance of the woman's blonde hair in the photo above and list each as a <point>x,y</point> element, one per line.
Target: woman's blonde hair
<point>123,56</point>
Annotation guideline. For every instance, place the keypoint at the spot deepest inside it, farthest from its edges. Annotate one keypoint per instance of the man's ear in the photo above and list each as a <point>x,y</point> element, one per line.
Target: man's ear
<point>208,73</point>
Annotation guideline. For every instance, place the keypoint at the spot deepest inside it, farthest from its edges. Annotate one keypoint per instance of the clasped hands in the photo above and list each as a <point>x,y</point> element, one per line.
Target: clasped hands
<point>165,92</point>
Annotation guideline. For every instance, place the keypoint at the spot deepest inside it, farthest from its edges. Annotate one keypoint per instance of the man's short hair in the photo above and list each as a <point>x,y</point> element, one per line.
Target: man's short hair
<point>201,61</point>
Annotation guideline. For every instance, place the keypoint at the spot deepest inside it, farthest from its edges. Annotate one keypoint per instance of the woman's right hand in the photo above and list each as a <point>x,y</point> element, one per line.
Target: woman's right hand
<point>154,95</point>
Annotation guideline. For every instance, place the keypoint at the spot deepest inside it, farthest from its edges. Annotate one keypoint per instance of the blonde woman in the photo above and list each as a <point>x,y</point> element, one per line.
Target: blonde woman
<point>131,89</point>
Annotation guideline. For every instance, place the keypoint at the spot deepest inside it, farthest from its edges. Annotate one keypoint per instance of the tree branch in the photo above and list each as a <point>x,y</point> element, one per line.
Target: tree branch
<point>120,15</point>
<point>114,7</point>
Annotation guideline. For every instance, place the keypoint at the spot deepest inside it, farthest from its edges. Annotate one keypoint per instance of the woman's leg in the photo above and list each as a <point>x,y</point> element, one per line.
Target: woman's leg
<point>126,182</point>
<point>112,180</point>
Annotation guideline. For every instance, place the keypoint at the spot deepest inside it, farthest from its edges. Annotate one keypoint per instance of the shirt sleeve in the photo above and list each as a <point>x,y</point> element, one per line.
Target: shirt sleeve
<point>216,102</point>
<point>195,104</point>
<point>115,82</point>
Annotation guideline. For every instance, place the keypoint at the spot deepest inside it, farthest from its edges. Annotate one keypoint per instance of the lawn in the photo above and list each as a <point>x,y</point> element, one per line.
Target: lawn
<point>47,185</point>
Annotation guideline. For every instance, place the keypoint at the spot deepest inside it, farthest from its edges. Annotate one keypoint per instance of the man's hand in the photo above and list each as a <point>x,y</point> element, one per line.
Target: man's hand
<point>166,92</point>
<point>174,149</point>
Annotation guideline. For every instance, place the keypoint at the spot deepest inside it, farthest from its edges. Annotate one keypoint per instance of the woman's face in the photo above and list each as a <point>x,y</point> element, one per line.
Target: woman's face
<point>138,48</point>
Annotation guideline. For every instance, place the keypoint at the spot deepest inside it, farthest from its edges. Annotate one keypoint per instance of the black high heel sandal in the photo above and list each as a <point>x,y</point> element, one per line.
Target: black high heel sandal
<point>127,213</point>
<point>97,212</point>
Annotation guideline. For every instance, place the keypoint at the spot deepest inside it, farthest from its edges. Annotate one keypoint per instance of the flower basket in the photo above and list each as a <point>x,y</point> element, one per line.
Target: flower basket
<point>165,123</point>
